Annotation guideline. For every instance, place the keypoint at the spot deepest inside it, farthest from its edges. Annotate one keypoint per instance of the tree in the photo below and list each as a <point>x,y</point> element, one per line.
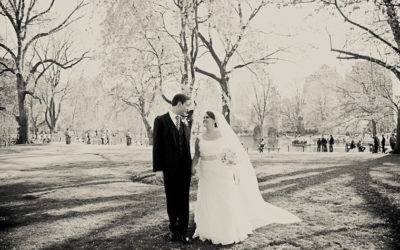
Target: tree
<point>378,40</point>
<point>293,113</point>
<point>35,115</point>
<point>366,97</point>
<point>265,94</point>
<point>24,17</point>
<point>8,97</point>
<point>187,40</point>
<point>141,66</point>
<point>53,90</point>
<point>8,108</point>
<point>229,35</point>
<point>139,91</point>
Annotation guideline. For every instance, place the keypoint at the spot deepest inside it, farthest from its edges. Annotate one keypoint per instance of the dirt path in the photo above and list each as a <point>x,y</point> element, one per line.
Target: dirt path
<point>85,196</point>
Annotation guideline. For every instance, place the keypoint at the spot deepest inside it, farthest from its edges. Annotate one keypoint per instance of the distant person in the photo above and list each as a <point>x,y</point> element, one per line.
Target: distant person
<point>261,145</point>
<point>67,137</point>
<point>352,145</point>
<point>89,141</point>
<point>128,138</point>
<point>44,138</point>
<point>347,147</point>
<point>108,137</point>
<point>360,147</point>
<point>376,144</point>
<point>103,136</point>
<point>392,142</point>
<point>331,142</point>
<point>383,141</point>
<point>319,143</point>
<point>324,142</point>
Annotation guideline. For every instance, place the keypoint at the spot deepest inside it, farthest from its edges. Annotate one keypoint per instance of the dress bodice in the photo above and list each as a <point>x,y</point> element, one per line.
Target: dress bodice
<point>210,147</point>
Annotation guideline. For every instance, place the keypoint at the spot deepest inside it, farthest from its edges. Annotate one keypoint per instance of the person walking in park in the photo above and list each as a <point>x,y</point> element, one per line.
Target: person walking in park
<point>376,144</point>
<point>67,137</point>
<point>261,146</point>
<point>107,137</point>
<point>172,163</point>
<point>103,137</point>
<point>319,145</point>
<point>392,141</point>
<point>331,142</point>
<point>352,144</point>
<point>383,142</point>
<point>128,138</point>
<point>324,142</point>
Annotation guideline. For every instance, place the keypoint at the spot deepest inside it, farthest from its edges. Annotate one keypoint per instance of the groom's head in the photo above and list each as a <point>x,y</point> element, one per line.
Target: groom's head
<point>181,104</point>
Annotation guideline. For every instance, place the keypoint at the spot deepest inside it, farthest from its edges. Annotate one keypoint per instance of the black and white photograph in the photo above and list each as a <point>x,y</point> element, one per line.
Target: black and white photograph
<point>199,124</point>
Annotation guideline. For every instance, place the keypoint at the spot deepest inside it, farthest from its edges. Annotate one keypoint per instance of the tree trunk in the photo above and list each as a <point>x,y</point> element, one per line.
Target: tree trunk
<point>149,130</point>
<point>397,148</point>
<point>226,99</point>
<point>53,120</point>
<point>373,122</point>
<point>22,118</point>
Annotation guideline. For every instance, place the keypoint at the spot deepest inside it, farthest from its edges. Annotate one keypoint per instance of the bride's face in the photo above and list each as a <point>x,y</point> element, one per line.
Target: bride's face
<point>208,122</point>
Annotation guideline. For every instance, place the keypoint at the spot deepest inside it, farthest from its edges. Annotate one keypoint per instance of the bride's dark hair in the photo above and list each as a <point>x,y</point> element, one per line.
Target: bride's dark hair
<point>212,116</point>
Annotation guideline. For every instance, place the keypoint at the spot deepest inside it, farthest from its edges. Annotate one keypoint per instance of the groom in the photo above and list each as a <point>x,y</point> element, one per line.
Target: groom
<point>172,163</point>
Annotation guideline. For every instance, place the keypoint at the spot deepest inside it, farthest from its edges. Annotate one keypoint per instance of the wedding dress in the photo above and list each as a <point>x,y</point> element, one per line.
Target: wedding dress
<point>229,203</point>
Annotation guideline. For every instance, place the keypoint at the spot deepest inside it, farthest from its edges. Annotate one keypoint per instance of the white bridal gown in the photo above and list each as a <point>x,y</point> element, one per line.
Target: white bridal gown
<point>224,213</point>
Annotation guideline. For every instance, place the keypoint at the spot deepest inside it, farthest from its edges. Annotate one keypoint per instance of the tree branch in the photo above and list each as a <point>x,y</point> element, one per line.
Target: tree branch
<point>259,60</point>
<point>208,74</point>
<point>352,55</point>
<point>8,15</point>
<point>210,48</point>
<point>8,50</point>
<point>61,26</point>
<point>365,28</point>
<point>6,68</point>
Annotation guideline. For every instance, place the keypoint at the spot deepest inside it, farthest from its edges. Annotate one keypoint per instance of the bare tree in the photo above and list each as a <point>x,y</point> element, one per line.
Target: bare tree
<point>139,67</point>
<point>187,41</point>
<point>230,40</point>
<point>380,32</point>
<point>23,16</point>
<point>293,113</point>
<point>262,92</point>
<point>366,97</point>
<point>35,115</point>
<point>53,90</point>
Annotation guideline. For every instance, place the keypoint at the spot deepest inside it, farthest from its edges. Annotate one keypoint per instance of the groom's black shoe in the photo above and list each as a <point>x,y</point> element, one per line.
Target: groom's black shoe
<point>174,236</point>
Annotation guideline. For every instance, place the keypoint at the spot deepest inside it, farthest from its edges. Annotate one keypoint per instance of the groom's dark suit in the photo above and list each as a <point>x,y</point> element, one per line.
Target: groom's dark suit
<point>171,154</point>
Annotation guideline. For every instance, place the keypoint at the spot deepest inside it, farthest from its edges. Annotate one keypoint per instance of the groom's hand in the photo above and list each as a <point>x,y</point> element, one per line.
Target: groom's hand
<point>159,177</point>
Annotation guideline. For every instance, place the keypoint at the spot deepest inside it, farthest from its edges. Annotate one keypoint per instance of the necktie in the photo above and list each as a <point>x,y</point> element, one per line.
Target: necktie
<point>178,122</point>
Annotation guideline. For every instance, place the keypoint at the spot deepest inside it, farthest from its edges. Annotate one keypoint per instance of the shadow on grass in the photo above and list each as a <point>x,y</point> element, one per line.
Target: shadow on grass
<point>148,203</point>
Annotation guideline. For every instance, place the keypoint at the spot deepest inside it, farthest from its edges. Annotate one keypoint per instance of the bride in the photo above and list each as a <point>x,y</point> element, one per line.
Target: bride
<point>229,203</point>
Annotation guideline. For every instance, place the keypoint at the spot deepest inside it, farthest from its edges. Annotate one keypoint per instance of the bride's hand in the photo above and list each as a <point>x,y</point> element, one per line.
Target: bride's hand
<point>194,171</point>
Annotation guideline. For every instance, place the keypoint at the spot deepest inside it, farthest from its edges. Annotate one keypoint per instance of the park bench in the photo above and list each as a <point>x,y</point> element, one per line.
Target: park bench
<point>272,148</point>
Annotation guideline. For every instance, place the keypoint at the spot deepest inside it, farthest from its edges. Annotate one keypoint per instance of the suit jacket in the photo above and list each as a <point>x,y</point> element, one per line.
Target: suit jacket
<point>166,154</point>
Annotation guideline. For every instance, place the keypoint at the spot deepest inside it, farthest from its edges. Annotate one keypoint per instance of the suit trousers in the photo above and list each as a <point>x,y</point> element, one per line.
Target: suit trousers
<point>177,194</point>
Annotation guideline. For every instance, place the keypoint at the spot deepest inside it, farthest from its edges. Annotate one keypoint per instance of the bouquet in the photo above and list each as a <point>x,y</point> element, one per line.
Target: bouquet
<point>228,157</point>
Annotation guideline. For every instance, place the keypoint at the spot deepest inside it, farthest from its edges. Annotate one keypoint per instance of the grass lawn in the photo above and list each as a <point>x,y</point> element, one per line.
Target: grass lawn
<point>87,197</point>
